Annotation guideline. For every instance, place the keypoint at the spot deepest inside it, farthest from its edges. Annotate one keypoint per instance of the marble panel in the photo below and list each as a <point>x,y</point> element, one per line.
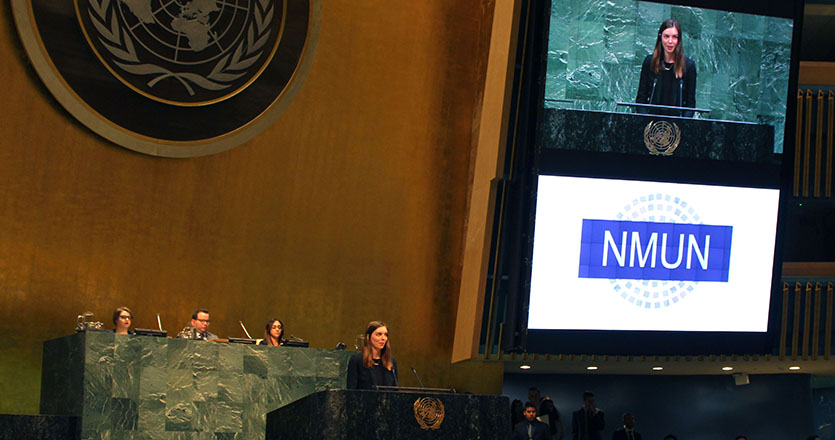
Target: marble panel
<point>41,427</point>
<point>125,380</point>
<point>256,363</point>
<point>151,416</point>
<point>229,387</point>
<point>137,387</point>
<point>62,377</point>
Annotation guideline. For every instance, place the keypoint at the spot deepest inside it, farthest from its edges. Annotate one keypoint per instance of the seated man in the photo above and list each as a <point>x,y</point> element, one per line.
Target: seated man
<point>199,328</point>
<point>531,428</point>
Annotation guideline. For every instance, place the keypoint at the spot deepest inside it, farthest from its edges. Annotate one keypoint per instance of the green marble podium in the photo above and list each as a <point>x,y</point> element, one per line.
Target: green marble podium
<point>140,387</point>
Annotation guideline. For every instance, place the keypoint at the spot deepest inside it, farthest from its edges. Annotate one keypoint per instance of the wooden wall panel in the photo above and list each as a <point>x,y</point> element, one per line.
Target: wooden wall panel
<point>351,207</point>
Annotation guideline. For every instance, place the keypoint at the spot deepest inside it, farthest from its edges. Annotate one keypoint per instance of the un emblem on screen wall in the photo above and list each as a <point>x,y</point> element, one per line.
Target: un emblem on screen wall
<point>172,78</point>
<point>662,138</point>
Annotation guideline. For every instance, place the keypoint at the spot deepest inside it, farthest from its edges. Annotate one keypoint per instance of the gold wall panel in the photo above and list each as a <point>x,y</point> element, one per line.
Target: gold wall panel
<point>351,207</point>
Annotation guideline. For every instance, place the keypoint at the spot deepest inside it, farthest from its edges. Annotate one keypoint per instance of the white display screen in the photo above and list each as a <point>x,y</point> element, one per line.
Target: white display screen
<point>651,256</point>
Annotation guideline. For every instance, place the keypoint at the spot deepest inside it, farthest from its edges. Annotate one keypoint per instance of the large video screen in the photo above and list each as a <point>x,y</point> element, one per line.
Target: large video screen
<point>636,255</point>
<point>597,49</point>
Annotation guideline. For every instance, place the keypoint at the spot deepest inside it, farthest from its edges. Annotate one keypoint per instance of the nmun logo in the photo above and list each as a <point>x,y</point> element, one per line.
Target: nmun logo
<point>656,251</point>
<point>172,78</point>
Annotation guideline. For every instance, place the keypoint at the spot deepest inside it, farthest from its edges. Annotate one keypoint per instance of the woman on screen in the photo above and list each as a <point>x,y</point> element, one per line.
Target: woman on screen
<point>667,76</point>
<point>374,365</point>
<point>273,333</point>
<point>122,319</point>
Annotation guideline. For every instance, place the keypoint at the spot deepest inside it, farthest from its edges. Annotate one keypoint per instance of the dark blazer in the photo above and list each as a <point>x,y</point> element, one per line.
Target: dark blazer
<point>361,378</point>
<point>540,431</point>
<point>620,434</point>
<point>596,424</point>
<point>650,86</point>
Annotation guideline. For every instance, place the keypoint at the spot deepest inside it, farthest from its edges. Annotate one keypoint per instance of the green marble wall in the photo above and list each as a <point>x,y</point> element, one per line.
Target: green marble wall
<point>138,388</point>
<point>596,48</point>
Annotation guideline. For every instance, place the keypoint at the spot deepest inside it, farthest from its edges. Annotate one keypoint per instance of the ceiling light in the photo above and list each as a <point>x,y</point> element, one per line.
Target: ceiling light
<point>525,367</point>
<point>657,368</point>
<point>727,368</point>
<point>591,367</point>
<point>794,368</point>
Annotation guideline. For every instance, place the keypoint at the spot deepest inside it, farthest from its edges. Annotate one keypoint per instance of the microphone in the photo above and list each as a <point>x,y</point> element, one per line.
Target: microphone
<point>159,323</point>
<point>340,346</point>
<point>417,377</point>
<point>652,93</point>
<point>245,332</point>
<point>681,95</point>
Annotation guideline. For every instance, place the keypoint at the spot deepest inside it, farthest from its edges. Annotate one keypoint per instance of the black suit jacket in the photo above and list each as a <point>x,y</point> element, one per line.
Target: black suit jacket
<point>361,378</point>
<point>650,85</point>
<point>595,425</point>
<point>620,434</point>
<point>540,431</point>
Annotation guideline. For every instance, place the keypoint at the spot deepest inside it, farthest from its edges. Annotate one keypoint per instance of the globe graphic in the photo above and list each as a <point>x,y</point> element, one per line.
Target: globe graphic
<point>656,294</point>
<point>186,32</point>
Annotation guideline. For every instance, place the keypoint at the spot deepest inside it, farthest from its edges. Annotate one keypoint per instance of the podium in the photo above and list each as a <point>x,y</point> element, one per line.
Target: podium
<point>131,387</point>
<point>391,415</point>
<point>611,132</point>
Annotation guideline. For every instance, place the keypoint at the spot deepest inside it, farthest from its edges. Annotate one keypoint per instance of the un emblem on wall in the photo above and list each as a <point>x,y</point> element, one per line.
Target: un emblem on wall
<point>662,138</point>
<point>173,78</point>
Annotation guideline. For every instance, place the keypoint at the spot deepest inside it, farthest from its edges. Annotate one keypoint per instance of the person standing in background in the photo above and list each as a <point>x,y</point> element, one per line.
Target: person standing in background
<point>587,423</point>
<point>627,431</point>
<point>531,428</point>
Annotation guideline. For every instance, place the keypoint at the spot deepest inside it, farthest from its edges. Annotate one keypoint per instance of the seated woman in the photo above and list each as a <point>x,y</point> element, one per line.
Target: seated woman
<point>273,333</point>
<point>667,76</point>
<point>374,365</point>
<point>122,319</point>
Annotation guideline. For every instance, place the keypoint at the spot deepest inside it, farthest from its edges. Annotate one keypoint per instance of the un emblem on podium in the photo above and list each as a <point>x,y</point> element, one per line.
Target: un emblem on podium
<point>172,78</point>
<point>429,412</point>
<point>662,138</point>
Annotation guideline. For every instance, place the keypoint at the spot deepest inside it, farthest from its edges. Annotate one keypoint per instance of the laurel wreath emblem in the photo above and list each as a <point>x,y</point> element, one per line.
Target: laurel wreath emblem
<point>228,69</point>
<point>662,138</point>
<point>429,412</point>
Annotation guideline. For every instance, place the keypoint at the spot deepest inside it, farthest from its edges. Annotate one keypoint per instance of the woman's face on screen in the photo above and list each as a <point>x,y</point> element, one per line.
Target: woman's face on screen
<point>669,39</point>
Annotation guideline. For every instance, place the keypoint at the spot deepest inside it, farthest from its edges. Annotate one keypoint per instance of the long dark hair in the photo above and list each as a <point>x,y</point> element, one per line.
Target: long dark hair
<point>269,338</point>
<point>678,53</point>
<point>385,353</point>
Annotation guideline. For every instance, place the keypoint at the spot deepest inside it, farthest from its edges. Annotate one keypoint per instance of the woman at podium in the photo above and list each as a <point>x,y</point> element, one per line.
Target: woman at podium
<point>667,76</point>
<point>273,333</point>
<point>374,365</point>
